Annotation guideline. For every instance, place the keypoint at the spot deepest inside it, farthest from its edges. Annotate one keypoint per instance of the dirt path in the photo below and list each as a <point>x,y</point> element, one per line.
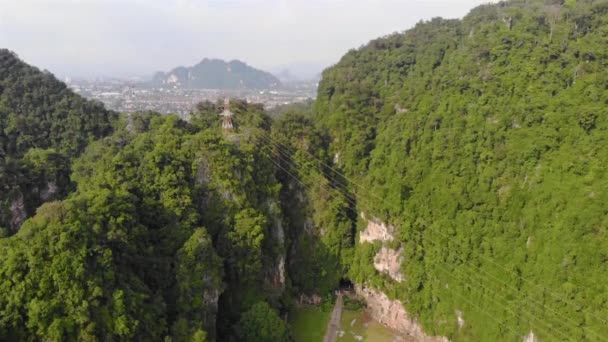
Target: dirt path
<point>334,321</point>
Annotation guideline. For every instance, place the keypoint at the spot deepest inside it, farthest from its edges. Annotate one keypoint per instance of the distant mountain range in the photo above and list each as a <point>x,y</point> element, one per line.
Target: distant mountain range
<point>217,74</point>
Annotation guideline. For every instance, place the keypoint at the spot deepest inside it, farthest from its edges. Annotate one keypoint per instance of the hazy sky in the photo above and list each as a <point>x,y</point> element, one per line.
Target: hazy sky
<point>137,37</point>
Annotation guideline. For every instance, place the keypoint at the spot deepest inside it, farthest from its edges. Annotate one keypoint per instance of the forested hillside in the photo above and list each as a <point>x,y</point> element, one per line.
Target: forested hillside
<point>43,125</point>
<point>458,167</point>
<point>160,229</point>
<point>166,217</point>
<point>484,142</point>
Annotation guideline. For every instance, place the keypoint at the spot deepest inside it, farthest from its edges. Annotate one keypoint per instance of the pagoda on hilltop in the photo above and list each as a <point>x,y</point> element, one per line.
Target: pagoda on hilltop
<point>227,123</point>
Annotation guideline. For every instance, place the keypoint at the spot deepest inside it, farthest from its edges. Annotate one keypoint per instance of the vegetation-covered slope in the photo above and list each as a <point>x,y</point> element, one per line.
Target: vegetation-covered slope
<point>43,124</point>
<point>168,230</point>
<point>169,224</point>
<point>484,140</point>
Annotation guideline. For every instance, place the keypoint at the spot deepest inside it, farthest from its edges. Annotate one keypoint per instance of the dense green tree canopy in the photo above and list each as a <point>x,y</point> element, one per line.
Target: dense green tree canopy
<point>38,112</point>
<point>124,256</point>
<point>483,140</point>
<point>262,324</point>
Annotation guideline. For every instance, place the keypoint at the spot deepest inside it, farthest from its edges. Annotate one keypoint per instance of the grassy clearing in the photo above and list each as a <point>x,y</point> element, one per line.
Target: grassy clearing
<point>358,326</point>
<point>309,323</point>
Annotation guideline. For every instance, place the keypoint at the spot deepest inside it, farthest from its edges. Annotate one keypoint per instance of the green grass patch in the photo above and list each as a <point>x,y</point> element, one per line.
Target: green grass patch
<point>358,326</point>
<point>308,323</point>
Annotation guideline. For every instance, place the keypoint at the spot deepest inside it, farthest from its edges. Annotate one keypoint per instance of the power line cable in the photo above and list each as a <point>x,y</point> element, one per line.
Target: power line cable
<point>278,146</point>
<point>537,328</point>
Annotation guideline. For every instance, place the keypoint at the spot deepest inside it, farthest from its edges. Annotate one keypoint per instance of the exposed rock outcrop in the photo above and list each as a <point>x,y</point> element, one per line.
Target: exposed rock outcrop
<point>282,270</point>
<point>376,231</point>
<point>389,261</point>
<point>279,231</point>
<point>275,274</point>
<point>18,212</point>
<point>530,337</point>
<point>49,191</point>
<point>392,314</point>
<point>211,304</point>
<point>460,319</point>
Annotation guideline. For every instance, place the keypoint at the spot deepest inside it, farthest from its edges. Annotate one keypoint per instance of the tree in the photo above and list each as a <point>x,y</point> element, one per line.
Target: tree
<point>246,238</point>
<point>262,324</point>
<point>484,145</point>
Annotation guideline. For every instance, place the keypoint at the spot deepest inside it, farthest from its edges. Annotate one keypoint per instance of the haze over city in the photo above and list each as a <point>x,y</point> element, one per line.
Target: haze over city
<point>91,38</point>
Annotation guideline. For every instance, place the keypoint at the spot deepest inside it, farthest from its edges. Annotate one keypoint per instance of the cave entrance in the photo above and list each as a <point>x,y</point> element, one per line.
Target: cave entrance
<point>346,285</point>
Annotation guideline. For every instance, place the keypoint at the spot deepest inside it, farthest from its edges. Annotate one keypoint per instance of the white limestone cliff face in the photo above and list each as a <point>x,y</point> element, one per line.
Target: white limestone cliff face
<point>393,314</point>
<point>376,231</point>
<point>389,261</point>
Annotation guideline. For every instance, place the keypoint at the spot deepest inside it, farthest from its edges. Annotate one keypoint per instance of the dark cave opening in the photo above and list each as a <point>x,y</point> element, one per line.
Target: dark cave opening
<point>346,285</point>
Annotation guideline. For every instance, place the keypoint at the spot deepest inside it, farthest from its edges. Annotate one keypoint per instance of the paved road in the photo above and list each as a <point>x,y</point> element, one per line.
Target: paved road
<point>334,321</point>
